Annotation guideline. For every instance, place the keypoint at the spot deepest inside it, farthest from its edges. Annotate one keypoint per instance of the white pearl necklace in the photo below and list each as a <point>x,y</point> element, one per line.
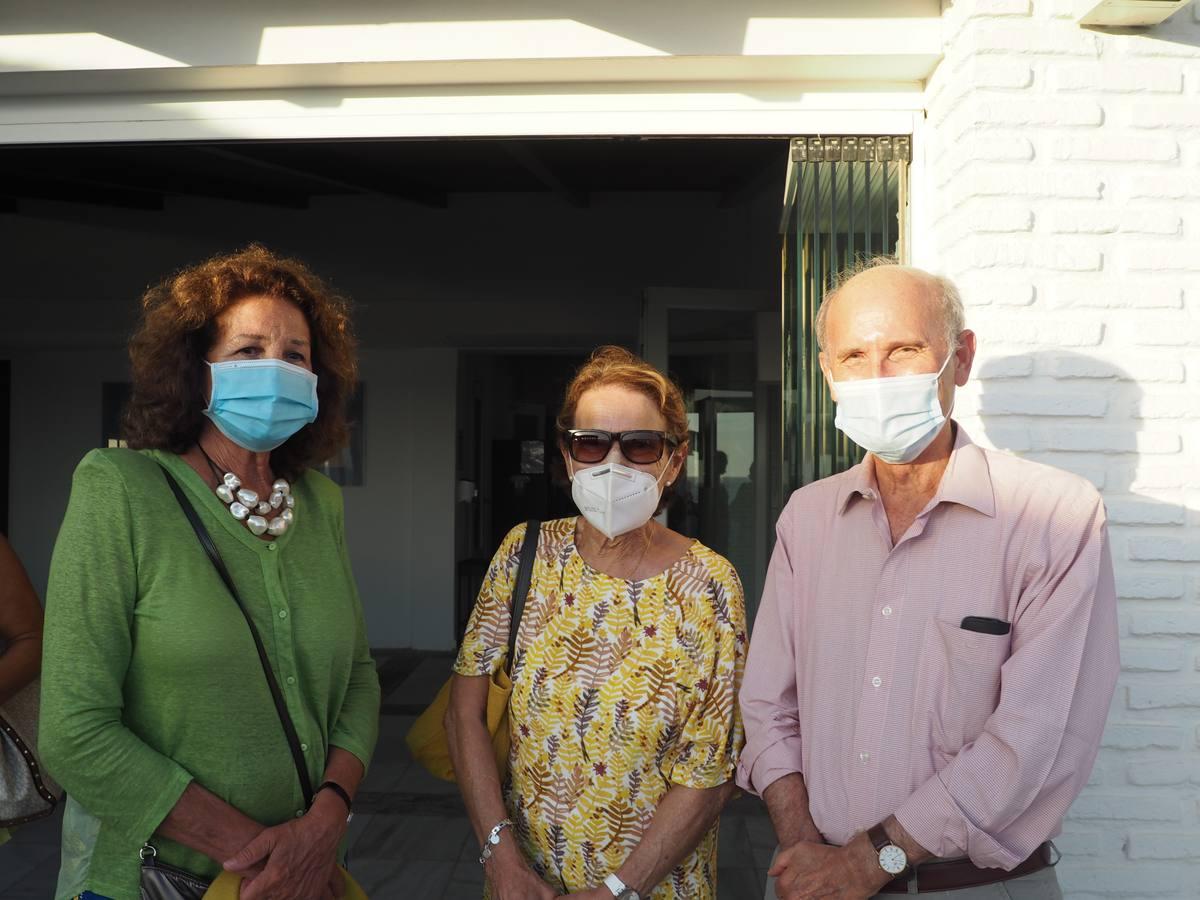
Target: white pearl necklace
<point>245,505</point>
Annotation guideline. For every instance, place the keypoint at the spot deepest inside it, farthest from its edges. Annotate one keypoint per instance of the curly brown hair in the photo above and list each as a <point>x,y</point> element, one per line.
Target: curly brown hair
<point>178,328</point>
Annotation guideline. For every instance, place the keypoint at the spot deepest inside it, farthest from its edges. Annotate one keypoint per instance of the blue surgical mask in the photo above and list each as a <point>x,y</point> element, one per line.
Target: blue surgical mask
<point>260,403</point>
<point>894,418</point>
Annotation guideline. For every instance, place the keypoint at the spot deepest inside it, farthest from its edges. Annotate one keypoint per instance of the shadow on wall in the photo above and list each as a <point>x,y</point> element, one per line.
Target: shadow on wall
<point>1092,416</point>
<point>1089,415</point>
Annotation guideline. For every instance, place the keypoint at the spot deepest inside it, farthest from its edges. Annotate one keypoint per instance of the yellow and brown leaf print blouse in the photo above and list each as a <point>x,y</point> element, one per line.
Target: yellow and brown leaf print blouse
<point>621,689</point>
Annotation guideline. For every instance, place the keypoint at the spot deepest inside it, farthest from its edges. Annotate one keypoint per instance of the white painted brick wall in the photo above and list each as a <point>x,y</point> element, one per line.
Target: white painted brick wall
<point>1062,192</point>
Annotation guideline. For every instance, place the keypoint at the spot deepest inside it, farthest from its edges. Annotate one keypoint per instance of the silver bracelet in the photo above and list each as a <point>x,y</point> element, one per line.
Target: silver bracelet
<point>493,839</point>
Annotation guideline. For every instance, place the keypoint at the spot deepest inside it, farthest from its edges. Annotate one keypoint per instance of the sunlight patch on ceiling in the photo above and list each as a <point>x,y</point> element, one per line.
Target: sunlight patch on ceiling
<point>862,37</point>
<point>427,41</point>
<point>73,51</point>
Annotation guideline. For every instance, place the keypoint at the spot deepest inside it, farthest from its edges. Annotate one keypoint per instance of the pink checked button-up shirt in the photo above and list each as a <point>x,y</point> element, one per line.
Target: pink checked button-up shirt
<point>861,678</point>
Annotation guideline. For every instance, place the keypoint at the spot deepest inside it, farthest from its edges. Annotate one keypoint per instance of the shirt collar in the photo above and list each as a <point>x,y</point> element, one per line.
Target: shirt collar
<point>966,481</point>
<point>859,482</point>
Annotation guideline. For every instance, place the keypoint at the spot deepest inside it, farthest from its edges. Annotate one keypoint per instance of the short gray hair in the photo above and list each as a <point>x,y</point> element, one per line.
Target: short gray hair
<point>954,320</point>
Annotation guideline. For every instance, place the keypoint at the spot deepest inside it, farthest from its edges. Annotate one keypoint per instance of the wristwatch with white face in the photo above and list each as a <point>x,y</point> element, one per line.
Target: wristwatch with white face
<point>892,859</point>
<point>619,890</point>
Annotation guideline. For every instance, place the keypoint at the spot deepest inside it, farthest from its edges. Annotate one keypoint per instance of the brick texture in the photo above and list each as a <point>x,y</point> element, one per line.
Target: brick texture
<point>1062,169</point>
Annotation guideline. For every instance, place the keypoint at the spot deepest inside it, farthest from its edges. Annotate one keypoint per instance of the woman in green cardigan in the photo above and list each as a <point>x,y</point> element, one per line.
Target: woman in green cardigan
<point>156,715</point>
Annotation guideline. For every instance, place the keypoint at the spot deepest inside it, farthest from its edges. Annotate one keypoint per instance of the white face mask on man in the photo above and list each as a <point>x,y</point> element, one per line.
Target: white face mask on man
<point>894,418</point>
<point>616,499</point>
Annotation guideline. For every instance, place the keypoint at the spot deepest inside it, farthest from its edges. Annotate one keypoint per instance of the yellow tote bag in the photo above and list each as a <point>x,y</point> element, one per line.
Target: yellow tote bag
<point>228,884</point>
<point>427,739</point>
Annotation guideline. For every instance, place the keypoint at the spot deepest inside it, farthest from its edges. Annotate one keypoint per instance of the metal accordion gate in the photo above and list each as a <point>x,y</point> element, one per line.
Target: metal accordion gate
<point>845,202</point>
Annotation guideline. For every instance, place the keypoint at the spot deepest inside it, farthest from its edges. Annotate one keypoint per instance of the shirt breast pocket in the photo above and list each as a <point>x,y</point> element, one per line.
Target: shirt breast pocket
<point>957,687</point>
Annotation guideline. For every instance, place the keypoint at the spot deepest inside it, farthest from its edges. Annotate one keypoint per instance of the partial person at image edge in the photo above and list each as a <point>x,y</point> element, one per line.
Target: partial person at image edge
<point>21,622</point>
<point>157,717</point>
<point>936,648</point>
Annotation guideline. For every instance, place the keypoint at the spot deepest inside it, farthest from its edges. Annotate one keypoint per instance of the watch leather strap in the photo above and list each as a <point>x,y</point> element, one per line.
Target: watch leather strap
<point>878,837</point>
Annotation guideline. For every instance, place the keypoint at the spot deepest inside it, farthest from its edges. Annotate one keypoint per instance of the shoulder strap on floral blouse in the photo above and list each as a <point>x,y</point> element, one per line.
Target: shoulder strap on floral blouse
<point>533,533</point>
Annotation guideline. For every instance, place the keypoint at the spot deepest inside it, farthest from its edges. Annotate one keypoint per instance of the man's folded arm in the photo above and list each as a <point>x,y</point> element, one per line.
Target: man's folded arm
<point>1006,792</point>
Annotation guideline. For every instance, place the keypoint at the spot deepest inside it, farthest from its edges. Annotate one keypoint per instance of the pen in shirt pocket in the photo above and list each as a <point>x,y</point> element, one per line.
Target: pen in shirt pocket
<point>984,625</point>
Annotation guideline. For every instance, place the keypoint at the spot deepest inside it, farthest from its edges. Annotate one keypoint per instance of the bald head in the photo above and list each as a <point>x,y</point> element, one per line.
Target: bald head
<point>880,291</point>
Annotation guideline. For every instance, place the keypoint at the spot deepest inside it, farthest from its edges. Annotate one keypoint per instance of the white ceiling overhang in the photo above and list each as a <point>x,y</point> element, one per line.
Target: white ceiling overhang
<point>648,74</point>
<point>810,50</point>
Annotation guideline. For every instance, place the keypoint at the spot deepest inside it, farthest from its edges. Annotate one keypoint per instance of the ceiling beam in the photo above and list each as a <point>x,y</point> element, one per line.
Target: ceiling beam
<point>86,191</point>
<point>133,169</point>
<point>524,154</point>
<point>195,185</point>
<point>432,199</point>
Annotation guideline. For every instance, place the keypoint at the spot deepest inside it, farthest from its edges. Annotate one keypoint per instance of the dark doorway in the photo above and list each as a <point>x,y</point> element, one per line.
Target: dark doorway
<point>509,468</point>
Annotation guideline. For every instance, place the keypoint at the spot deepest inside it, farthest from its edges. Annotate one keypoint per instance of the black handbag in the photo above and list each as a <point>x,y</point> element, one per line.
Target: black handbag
<point>163,882</point>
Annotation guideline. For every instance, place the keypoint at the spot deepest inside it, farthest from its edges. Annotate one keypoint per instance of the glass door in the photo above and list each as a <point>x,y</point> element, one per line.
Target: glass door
<point>845,201</point>
<point>722,349</point>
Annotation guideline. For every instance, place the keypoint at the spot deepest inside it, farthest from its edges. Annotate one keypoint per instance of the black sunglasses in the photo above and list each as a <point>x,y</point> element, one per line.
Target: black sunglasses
<point>587,445</point>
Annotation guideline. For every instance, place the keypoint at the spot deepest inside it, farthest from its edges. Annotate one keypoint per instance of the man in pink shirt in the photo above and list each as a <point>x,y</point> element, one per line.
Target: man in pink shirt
<point>936,649</point>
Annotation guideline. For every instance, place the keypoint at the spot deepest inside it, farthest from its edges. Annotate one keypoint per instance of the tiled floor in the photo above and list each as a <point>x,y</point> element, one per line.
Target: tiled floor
<point>410,839</point>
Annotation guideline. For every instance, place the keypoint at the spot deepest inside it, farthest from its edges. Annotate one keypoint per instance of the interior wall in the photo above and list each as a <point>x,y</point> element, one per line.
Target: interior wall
<point>418,276</point>
<point>400,522</point>
<point>55,420</point>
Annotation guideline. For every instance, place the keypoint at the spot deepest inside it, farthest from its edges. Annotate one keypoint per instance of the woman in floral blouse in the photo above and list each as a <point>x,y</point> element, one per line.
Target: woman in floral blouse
<point>624,726</point>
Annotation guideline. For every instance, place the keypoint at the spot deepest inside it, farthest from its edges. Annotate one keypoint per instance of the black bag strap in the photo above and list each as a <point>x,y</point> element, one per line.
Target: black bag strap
<point>533,533</point>
<point>285,720</point>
